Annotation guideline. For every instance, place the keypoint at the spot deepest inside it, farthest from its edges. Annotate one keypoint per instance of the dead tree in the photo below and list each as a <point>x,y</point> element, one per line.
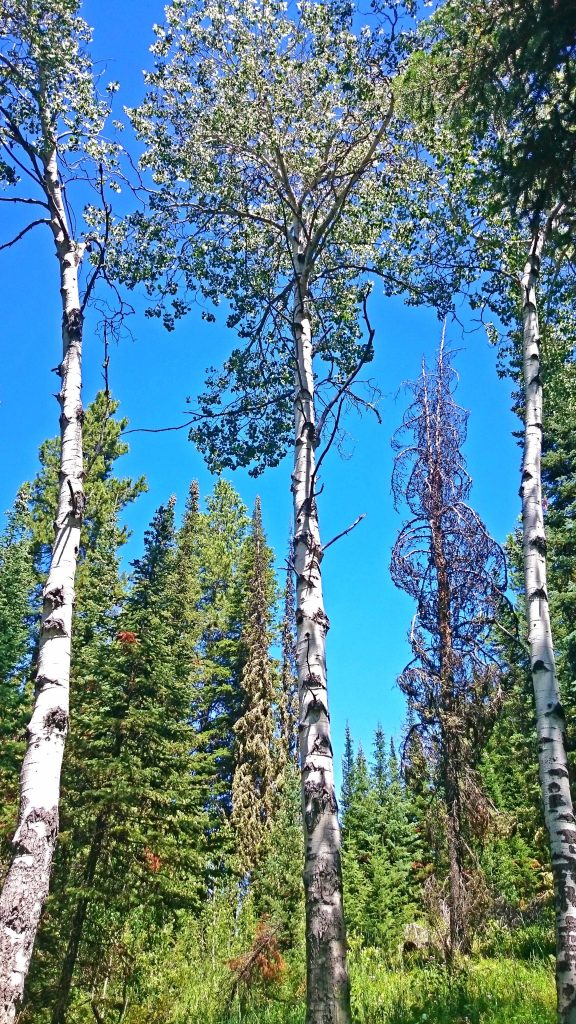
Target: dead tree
<point>447,562</point>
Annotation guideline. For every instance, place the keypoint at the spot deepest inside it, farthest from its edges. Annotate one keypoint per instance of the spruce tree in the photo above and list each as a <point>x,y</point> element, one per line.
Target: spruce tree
<point>380,846</point>
<point>17,581</point>
<point>254,768</point>
<point>217,699</point>
<point>139,853</point>
<point>288,695</point>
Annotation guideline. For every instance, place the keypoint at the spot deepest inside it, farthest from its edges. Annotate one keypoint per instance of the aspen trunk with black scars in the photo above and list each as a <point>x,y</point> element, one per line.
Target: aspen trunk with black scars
<point>26,884</point>
<point>328,989</point>
<point>553,762</point>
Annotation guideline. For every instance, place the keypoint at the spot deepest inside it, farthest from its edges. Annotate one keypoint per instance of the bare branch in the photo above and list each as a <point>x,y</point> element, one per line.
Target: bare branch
<point>33,224</point>
<point>344,532</point>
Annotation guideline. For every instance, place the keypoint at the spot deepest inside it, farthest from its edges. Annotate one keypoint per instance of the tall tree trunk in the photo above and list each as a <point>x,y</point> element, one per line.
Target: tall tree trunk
<point>553,762</point>
<point>328,989</point>
<point>455,853</point>
<point>451,760</point>
<point>26,884</point>
<point>77,926</point>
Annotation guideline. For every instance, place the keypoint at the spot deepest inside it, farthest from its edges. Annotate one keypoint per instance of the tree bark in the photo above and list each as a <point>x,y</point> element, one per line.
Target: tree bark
<point>26,884</point>
<point>553,762</point>
<point>328,989</point>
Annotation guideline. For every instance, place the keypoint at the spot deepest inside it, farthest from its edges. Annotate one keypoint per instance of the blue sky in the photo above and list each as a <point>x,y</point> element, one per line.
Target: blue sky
<point>153,372</point>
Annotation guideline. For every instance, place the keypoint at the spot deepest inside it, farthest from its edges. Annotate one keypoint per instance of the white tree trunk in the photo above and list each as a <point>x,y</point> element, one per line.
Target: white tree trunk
<point>553,762</point>
<point>328,990</point>
<point>26,885</point>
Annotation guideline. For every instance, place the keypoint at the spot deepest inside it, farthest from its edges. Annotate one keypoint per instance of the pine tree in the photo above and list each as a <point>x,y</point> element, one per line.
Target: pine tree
<point>276,882</point>
<point>217,699</point>
<point>16,591</point>
<point>380,846</point>
<point>254,769</point>
<point>140,852</point>
<point>288,695</point>
<point>99,592</point>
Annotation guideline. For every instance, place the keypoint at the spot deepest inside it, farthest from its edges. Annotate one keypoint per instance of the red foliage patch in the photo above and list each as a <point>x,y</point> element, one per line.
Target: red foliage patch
<point>263,963</point>
<point>152,860</point>
<point>126,637</point>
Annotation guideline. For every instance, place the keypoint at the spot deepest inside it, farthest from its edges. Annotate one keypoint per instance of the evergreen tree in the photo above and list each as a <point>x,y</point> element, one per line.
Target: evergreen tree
<point>137,854</point>
<point>254,768</point>
<point>288,695</point>
<point>16,591</point>
<point>347,772</point>
<point>217,699</point>
<point>380,847</point>
<point>276,883</point>
<point>99,593</point>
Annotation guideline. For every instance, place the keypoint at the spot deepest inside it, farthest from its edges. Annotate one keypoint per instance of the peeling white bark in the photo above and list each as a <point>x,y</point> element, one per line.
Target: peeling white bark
<point>328,990</point>
<point>553,762</point>
<point>26,885</point>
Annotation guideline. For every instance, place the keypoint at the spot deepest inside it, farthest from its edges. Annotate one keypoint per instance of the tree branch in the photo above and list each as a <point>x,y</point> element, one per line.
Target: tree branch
<point>344,532</point>
<point>33,224</point>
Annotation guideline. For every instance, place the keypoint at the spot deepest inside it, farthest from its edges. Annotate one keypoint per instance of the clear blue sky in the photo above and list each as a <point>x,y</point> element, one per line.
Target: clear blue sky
<point>153,373</point>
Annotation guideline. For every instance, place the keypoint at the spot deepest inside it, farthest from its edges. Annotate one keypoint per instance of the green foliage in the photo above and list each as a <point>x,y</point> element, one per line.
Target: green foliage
<point>485,992</point>
<point>276,883</point>
<point>254,761</point>
<point>16,591</point>
<point>293,168</point>
<point>380,847</point>
<point>217,698</point>
<point>507,71</point>
<point>52,116</point>
<point>16,585</point>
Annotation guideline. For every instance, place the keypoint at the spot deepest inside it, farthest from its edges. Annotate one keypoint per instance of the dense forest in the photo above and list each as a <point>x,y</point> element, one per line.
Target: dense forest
<point>177,841</point>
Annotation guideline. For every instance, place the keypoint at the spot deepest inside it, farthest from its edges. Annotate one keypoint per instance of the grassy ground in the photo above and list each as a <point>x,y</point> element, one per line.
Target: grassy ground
<point>484,992</point>
<point>500,991</point>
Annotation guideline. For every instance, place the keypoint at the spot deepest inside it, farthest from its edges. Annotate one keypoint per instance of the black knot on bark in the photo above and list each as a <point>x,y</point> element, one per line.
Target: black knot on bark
<point>555,800</point>
<point>555,710</point>
<point>43,681</point>
<point>54,595</point>
<point>322,745</point>
<point>318,800</point>
<point>322,620</point>
<point>77,498</point>
<point>56,721</point>
<point>54,624</point>
<point>73,324</point>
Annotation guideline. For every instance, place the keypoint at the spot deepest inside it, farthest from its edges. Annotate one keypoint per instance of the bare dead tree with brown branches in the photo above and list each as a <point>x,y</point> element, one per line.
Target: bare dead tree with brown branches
<point>445,559</point>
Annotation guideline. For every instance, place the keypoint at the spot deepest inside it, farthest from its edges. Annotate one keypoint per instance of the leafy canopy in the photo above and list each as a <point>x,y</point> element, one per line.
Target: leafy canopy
<point>277,159</point>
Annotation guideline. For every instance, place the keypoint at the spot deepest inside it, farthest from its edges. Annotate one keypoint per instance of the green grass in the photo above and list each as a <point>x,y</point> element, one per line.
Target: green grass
<point>503,991</point>
<point>482,992</point>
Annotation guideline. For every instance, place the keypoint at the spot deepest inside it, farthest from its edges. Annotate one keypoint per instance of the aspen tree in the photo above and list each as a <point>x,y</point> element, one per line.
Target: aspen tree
<point>50,120</point>
<point>277,168</point>
<point>550,719</point>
